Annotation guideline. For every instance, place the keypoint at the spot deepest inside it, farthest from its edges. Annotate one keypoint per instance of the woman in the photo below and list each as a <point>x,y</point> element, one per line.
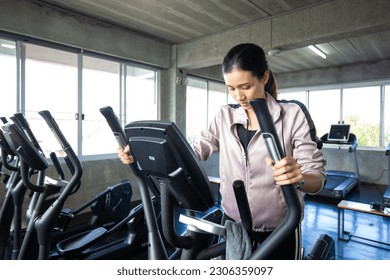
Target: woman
<point>235,134</point>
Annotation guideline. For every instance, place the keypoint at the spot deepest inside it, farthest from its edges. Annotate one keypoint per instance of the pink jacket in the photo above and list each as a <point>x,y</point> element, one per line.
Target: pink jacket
<point>295,130</point>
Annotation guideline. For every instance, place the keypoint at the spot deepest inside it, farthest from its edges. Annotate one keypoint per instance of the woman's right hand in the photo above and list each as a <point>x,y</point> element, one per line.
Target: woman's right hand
<point>124,155</point>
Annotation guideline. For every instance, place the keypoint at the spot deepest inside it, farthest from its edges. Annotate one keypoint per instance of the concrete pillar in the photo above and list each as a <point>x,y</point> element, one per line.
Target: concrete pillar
<point>173,93</point>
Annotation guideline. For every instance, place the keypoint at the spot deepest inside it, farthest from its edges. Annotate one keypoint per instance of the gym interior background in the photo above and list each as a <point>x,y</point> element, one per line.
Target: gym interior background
<point>161,60</point>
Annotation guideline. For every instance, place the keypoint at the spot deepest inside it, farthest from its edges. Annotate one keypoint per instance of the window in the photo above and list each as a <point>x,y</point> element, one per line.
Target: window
<point>100,89</point>
<point>73,86</point>
<point>298,95</point>
<point>196,108</point>
<point>358,106</point>
<point>387,116</point>
<point>204,98</point>
<point>217,97</point>
<point>361,109</point>
<point>324,108</point>
<point>51,84</point>
<point>141,94</point>
<point>8,74</point>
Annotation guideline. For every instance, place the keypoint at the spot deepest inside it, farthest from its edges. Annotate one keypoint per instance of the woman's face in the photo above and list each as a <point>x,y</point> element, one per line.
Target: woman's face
<point>243,86</point>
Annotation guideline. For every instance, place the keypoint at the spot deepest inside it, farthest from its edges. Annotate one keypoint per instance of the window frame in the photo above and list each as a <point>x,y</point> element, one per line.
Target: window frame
<point>380,83</point>
<point>20,94</point>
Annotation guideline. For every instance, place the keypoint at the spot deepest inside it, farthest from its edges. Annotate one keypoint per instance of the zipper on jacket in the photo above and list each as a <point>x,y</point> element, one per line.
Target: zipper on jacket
<point>246,143</point>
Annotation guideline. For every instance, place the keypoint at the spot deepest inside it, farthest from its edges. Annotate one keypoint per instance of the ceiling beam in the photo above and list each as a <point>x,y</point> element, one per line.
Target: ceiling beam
<point>28,18</point>
<point>326,22</point>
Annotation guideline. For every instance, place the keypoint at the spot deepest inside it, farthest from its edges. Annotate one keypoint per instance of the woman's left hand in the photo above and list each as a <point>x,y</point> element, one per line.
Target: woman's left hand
<point>286,171</point>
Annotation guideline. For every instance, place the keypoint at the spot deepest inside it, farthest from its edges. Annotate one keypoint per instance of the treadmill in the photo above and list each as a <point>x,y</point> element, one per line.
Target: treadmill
<point>386,196</point>
<point>339,183</point>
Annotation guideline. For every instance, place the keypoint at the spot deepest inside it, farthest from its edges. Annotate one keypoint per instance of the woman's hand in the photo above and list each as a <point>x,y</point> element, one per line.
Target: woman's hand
<point>286,171</point>
<point>124,155</point>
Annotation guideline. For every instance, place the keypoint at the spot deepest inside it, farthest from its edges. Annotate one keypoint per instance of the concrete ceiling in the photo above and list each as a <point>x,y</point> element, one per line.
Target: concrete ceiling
<point>185,21</point>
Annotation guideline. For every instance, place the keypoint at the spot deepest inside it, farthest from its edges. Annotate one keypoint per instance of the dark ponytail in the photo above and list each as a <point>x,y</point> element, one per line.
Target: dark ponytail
<point>271,86</point>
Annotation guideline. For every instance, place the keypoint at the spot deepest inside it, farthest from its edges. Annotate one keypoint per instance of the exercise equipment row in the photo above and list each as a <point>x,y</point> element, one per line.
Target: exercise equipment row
<point>164,160</point>
<point>121,231</point>
<point>178,218</point>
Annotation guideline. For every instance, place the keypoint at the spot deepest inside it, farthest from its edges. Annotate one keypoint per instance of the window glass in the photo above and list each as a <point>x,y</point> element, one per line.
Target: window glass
<point>100,88</point>
<point>204,99</point>
<point>141,94</point>
<point>297,95</point>
<point>324,108</point>
<point>8,90</point>
<point>217,97</point>
<point>387,116</point>
<point>51,84</point>
<point>196,108</point>
<point>361,109</point>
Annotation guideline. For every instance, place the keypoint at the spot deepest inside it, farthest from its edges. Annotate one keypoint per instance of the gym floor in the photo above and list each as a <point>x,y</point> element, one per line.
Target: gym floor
<point>321,217</point>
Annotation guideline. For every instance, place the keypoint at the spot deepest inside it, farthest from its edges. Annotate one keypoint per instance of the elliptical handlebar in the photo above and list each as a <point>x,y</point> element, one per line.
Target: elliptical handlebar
<point>57,166</point>
<point>70,153</point>
<point>45,224</point>
<point>46,115</point>
<point>115,126</point>
<point>292,220</point>
<point>7,155</point>
<point>243,205</point>
<point>118,132</point>
<point>20,145</point>
<point>24,125</point>
<point>156,249</point>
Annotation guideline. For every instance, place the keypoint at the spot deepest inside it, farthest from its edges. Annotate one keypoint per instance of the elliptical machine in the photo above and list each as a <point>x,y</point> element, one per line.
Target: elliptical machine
<point>164,158</point>
<point>137,237</point>
<point>11,176</point>
<point>43,219</point>
<point>107,208</point>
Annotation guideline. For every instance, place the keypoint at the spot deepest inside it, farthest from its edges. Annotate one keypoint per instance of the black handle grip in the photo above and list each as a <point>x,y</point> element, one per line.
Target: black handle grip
<point>46,115</point>
<point>115,125</point>
<point>243,205</point>
<point>57,165</point>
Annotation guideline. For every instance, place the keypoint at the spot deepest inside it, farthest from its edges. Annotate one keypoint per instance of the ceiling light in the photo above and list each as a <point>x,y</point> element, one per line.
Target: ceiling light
<point>274,52</point>
<point>317,51</point>
<point>8,46</point>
